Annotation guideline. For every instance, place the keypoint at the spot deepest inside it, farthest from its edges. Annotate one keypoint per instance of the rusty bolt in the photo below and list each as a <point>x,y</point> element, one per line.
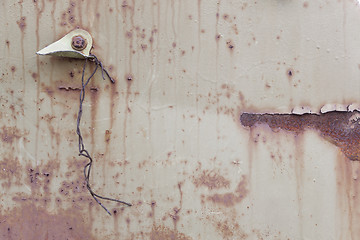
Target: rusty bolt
<point>78,43</point>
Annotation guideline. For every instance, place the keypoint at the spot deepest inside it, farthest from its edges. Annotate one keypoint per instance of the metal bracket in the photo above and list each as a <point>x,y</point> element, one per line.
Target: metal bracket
<point>75,44</point>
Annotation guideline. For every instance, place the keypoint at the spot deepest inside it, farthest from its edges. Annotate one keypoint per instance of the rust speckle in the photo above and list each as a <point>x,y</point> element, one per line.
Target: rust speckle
<point>340,128</point>
<point>211,180</point>
<point>34,75</point>
<point>8,134</point>
<point>22,23</point>
<point>129,77</point>
<point>144,47</point>
<point>290,73</point>
<point>230,199</point>
<point>162,232</point>
<point>230,230</point>
<point>7,43</point>
<point>32,222</point>
<point>129,34</point>
<point>124,4</point>
<point>10,172</point>
<point>230,45</point>
<point>306,5</point>
<point>107,135</point>
<point>41,177</point>
<point>174,44</point>
<point>217,37</point>
<point>68,16</point>
<point>13,69</point>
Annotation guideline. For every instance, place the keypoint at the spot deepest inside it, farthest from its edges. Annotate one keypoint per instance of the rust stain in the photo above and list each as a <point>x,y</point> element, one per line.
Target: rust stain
<point>8,134</point>
<point>211,180</point>
<point>162,232</point>
<point>176,210</point>
<point>290,73</point>
<point>22,23</point>
<point>39,178</point>
<point>230,230</point>
<point>68,17</point>
<point>230,45</point>
<point>340,128</point>
<point>152,213</point>
<point>55,133</point>
<point>230,199</point>
<point>348,189</point>
<point>34,76</point>
<point>73,190</point>
<point>10,171</point>
<point>32,222</point>
<point>107,135</point>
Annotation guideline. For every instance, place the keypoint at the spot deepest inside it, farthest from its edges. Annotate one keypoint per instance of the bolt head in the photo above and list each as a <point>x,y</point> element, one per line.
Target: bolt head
<point>78,43</point>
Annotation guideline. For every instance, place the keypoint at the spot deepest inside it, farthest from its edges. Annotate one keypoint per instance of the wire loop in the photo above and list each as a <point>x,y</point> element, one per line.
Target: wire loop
<point>82,151</point>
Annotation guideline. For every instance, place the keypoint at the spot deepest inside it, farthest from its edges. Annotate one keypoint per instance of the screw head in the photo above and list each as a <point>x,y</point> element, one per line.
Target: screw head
<point>78,43</point>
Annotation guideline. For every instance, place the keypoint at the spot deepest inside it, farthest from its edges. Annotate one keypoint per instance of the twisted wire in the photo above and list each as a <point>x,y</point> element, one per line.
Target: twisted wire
<point>82,151</point>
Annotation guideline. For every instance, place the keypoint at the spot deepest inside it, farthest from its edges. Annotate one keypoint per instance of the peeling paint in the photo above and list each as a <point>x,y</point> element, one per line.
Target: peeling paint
<point>340,128</point>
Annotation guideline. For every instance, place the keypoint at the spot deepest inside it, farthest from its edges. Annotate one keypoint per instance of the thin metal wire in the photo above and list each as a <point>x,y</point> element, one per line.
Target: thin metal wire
<point>82,151</point>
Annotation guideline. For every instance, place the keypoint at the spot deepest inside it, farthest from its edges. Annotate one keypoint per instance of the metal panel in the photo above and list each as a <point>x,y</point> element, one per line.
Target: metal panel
<point>167,135</point>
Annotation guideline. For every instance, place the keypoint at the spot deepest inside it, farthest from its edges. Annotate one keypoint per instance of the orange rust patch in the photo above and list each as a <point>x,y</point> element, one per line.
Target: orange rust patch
<point>230,199</point>
<point>162,232</point>
<point>211,180</point>
<point>340,128</point>
<point>31,222</point>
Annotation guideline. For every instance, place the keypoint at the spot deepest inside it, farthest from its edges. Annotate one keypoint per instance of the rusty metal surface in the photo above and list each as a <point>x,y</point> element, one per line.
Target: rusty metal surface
<point>167,135</point>
<point>340,128</point>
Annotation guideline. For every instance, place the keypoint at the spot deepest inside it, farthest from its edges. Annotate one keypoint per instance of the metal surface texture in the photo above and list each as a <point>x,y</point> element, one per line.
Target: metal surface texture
<point>227,120</point>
